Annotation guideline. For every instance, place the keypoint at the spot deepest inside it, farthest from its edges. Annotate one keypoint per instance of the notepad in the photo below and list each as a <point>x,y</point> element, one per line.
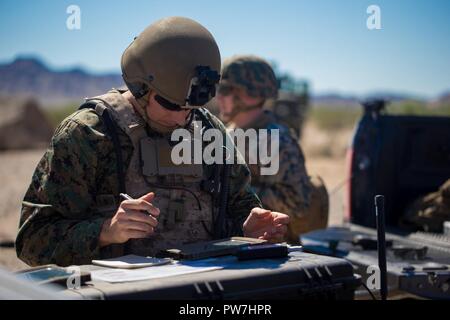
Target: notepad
<point>131,261</point>
<point>170,270</point>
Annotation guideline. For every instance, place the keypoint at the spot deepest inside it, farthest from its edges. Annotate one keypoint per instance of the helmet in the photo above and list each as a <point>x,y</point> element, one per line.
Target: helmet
<point>252,74</point>
<point>177,58</point>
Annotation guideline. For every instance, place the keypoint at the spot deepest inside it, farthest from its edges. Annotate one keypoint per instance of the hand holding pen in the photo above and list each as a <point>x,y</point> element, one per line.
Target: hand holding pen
<point>135,218</point>
<point>141,203</point>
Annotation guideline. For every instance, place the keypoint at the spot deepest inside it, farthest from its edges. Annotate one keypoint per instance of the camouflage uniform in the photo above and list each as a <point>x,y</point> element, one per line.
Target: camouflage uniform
<point>431,211</point>
<point>291,190</point>
<point>74,189</point>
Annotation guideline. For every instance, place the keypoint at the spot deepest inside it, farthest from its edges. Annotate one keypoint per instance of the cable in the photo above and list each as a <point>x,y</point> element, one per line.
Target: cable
<point>340,185</point>
<point>368,290</point>
<point>7,244</point>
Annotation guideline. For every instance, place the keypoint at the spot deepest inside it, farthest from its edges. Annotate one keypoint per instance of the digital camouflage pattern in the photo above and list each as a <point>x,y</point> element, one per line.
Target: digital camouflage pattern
<point>431,211</point>
<point>291,190</point>
<point>74,189</point>
<point>291,109</point>
<point>252,74</point>
<point>182,219</point>
<point>316,216</point>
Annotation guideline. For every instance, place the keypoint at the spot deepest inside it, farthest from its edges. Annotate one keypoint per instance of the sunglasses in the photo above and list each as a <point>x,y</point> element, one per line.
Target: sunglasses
<point>169,105</point>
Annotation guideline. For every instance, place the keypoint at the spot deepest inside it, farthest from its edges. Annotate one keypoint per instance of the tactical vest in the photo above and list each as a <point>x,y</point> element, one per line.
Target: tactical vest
<point>186,211</point>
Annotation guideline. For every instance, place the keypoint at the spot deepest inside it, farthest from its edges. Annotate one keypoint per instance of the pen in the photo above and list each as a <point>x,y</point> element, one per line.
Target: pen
<point>127,197</point>
<point>294,248</point>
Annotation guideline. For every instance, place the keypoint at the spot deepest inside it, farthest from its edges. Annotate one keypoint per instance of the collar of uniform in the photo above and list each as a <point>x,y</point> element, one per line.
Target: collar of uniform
<point>127,117</point>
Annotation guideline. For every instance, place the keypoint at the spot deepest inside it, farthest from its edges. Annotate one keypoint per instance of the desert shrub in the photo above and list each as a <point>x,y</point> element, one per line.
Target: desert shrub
<point>334,118</point>
<point>57,114</point>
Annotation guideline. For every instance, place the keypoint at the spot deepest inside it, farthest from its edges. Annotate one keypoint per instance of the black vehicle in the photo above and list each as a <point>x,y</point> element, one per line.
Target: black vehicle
<point>402,158</point>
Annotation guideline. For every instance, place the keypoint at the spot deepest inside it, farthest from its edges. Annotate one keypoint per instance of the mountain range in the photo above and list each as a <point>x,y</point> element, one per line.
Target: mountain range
<point>30,76</point>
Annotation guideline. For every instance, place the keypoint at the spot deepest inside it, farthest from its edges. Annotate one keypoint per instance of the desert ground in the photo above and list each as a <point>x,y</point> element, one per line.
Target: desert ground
<point>324,152</point>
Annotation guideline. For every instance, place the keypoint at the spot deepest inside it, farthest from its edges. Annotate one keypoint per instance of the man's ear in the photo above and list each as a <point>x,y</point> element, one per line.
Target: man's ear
<point>141,105</point>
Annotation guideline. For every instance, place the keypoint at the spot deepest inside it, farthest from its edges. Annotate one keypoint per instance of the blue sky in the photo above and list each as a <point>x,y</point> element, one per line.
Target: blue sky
<point>324,41</point>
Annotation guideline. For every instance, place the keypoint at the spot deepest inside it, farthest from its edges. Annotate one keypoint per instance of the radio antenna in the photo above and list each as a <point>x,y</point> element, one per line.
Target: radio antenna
<point>381,244</point>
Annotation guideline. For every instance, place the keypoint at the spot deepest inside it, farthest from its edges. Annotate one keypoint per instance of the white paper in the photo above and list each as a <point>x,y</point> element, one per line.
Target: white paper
<point>131,261</point>
<point>122,275</point>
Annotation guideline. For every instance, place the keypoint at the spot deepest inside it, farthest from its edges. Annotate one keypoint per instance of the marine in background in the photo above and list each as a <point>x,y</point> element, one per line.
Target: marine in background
<point>247,83</point>
<point>429,212</point>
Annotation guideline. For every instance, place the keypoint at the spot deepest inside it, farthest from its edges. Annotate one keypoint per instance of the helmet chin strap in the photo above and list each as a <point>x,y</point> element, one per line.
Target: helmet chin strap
<point>142,105</point>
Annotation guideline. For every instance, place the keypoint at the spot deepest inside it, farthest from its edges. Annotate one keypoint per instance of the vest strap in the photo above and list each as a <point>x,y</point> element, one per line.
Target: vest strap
<point>111,129</point>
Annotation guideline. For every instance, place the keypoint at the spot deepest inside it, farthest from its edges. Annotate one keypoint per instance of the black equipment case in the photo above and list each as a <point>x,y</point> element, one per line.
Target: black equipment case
<point>299,276</point>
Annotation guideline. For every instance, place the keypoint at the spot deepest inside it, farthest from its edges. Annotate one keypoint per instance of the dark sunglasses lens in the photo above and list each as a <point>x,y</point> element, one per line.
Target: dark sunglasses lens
<point>167,104</point>
<point>173,108</point>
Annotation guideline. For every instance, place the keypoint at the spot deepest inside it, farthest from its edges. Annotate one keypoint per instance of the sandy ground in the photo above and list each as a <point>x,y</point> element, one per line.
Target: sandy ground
<point>324,152</point>
<point>325,156</point>
<point>16,168</point>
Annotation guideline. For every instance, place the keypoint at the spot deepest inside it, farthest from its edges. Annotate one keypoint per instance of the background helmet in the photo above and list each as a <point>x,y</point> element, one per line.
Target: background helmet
<point>252,74</point>
<point>177,58</point>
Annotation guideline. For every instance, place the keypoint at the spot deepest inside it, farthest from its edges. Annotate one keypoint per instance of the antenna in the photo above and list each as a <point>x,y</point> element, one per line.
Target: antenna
<point>381,244</point>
